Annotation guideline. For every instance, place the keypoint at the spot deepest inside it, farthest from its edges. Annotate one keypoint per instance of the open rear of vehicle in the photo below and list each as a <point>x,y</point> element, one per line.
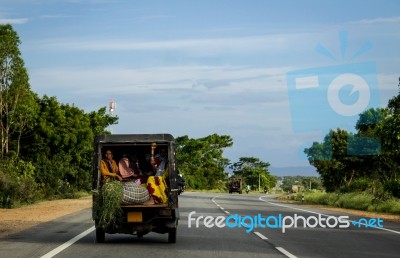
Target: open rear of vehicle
<point>137,219</point>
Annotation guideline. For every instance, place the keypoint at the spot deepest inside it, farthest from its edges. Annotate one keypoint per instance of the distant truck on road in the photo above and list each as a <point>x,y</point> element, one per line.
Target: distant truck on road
<point>235,185</point>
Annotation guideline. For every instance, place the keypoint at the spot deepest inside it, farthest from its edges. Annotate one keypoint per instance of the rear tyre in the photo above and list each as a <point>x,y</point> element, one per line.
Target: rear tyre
<point>100,235</point>
<point>172,235</point>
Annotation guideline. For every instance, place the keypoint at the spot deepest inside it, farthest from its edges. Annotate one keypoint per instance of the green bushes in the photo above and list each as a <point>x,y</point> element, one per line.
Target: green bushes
<point>17,183</point>
<point>389,206</point>
<point>23,183</point>
<point>315,198</point>
<point>393,187</point>
<point>358,185</point>
<point>356,200</point>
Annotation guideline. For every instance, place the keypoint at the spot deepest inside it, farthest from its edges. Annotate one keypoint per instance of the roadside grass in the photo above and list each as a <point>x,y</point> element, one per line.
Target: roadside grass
<point>389,206</point>
<point>357,200</point>
<point>205,190</point>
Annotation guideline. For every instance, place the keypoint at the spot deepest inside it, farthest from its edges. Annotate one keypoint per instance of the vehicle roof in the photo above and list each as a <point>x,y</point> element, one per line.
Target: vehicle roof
<point>134,137</point>
<point>119,138</point>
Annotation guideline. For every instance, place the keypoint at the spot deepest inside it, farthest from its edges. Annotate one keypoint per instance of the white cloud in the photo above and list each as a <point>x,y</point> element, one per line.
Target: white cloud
<point>243,43</point>
<point>13,21</point>
<point>143,80</point>
<point>55,16</point>
<point>147,18</point>
<point>381,20</point>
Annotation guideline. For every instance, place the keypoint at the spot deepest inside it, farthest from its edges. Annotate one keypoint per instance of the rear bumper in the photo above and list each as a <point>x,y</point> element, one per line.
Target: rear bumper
<point>155,219</point>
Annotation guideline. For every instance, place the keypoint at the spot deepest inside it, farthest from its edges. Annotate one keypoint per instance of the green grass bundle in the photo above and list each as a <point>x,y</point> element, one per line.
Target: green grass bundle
<point>110,204</point>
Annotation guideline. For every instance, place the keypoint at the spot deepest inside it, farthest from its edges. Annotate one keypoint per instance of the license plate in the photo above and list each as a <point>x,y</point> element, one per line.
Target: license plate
<point>135,217</point>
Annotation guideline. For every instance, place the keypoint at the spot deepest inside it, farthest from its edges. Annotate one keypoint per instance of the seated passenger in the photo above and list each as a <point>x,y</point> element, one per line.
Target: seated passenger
<point>156,185</point>
<point>147,168</point>
<point>108,168</point>
<point>159,161</point>
<point>163,162</point>
<point>125,168</point>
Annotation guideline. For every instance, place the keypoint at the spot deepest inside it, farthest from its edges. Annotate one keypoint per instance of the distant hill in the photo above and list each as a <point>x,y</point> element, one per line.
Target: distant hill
<point>293,171</point>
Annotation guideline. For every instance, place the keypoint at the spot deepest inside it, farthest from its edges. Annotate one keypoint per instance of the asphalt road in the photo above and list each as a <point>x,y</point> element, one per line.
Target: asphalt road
<point>201,233</point>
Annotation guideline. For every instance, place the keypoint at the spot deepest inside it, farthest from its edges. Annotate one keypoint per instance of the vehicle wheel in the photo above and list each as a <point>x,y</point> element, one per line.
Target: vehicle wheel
<point>172,235</point>
<point>100,235</point>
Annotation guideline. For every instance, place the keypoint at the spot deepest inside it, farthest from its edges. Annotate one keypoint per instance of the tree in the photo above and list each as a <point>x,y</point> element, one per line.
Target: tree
<point>100,120</point>
<point>254,171</point>
<point>394,103</point>
<point>61,144</point>
<point>331,159</point>
<point>368,159</point>
<point>389,133</point>
<point>201,160</point>
<point>48,145</point>
<point>17,105</point>
<point>344,157</point>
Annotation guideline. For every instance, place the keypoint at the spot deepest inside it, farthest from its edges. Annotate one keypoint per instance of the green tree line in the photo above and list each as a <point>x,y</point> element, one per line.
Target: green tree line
<point>46,146</point>
<point>305,183</point>
<point>203,166</point>
<point>367,160</point>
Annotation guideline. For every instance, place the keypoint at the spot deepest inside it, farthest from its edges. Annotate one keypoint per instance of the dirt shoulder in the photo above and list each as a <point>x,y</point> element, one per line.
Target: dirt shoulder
<point>18,219</point>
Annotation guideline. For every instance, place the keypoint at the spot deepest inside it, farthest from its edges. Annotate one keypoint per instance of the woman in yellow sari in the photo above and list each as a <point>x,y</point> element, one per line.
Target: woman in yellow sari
<point>109,168</point>
<point>156,185</point>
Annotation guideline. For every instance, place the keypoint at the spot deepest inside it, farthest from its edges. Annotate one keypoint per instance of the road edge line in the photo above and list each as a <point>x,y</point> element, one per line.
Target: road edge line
<point>67,244</point>
<point>282,250</point>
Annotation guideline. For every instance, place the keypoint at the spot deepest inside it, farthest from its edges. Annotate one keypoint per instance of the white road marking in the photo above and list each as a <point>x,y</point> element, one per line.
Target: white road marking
<point>67,244</point>
<point>280,249</point>
<point>313,212</point>
<point>219,206</point>
<point>261,235</point>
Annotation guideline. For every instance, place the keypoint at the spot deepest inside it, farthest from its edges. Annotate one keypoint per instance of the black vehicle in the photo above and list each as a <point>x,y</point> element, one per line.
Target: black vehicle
<point>138,219</point>
<point>235,185</point>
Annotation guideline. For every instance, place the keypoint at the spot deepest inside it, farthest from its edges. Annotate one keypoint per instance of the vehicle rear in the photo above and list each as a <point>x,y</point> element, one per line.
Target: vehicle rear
<point>235,185</point>
<point>137,219</point>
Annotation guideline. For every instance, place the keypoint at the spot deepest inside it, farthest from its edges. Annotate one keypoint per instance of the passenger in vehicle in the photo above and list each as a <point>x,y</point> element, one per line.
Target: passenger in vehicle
<point>125,169</point>
<point>136,167</point>
<point>156,185</point>
<point>147,168</point>
<point>109,168</point>
<point>163,162</point>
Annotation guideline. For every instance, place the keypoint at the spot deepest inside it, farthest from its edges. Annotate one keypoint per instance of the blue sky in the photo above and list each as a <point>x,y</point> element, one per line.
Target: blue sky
<point>201,67</point>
